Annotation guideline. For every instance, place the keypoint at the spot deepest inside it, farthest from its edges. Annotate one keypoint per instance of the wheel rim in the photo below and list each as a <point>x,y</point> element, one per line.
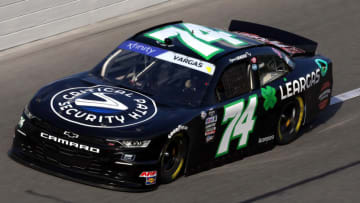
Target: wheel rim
<point>173,157</point>
<point>291,118</point>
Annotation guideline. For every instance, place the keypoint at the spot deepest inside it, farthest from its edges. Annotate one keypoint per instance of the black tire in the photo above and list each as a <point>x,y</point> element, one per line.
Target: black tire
<point>173,158</point>
<point>290,121</point>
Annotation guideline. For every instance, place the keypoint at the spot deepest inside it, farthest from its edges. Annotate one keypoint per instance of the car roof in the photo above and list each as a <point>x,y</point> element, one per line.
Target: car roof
<point>181,38</point>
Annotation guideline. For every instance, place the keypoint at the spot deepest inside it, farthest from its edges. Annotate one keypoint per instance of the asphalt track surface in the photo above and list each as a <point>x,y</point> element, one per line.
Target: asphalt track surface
<point>322,165</point>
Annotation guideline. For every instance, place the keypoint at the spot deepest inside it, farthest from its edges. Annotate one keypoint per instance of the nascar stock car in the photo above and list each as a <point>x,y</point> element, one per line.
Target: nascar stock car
<point>174,99</point>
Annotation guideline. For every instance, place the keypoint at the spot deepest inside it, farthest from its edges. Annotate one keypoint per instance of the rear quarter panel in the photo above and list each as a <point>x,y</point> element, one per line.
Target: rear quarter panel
<point>318,96</point>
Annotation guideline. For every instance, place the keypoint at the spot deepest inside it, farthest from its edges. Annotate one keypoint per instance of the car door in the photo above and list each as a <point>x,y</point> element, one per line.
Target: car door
<point>238,100</point>
<point>245,111</point>
<point>248,95</point>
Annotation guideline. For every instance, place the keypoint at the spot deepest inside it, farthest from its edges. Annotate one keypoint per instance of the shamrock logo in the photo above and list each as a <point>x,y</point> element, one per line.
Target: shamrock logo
<point>269,97</point>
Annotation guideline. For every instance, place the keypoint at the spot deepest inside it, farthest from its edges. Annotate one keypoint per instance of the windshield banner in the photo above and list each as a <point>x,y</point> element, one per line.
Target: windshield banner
<point>169,56</point>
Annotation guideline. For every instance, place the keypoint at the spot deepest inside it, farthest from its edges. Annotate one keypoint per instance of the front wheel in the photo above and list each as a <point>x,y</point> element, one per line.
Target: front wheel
<point>173,158</point>
<point>290,121</point>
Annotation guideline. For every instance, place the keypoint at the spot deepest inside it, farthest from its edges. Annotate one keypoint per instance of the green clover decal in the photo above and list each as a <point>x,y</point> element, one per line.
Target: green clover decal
<point>323,65</point>
<point>269,97</point>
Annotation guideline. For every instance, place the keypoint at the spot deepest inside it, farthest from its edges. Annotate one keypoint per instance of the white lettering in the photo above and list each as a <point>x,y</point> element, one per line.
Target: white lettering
<point>90,117</point>
<point>134,115</point>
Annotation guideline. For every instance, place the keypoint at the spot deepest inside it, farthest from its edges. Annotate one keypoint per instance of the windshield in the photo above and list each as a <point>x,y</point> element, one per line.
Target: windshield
<point>167,82</point>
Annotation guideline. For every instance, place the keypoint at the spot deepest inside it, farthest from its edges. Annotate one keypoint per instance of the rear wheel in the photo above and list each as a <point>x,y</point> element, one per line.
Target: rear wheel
<point>173,158</point>
<point>290,121</point>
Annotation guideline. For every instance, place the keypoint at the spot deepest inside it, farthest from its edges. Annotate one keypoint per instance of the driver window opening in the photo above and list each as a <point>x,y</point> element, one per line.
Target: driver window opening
<point>237,79</point>
<point>271,67</point>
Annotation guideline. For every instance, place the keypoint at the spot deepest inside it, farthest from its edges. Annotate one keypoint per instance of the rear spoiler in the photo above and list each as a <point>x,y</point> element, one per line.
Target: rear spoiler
<point>291,43</point>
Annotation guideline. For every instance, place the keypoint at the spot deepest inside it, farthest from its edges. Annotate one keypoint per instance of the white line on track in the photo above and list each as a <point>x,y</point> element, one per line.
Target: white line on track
<point>345,96</point>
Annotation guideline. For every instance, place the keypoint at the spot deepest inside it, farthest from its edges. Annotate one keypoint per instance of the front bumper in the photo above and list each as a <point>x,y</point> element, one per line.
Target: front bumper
<point>102,170</point>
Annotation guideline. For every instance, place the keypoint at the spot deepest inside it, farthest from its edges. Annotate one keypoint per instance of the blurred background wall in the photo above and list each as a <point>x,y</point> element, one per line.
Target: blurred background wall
<point>23,21</point>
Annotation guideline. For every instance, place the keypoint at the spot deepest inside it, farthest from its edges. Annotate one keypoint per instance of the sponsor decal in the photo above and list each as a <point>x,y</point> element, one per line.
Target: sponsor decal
<point>209,138</point>
<point>300,85</point>
<point>150,177</point>
<point>103,106</point>
<point>269,95</point>
<point>287,48</point>
<point>198,38</point>
<point>324,95</point>
<point>210,131</point>
<point>326,85</point>
<point>69,143</point>
<point>323,104</point>
<point>323,66</point>
<point>146,174</point>
<point>254,67</point>
<point>188,62</point>
<point>169,56</point>
<point>253,60</point>
<point>150,181</point>
<point>266,139</point>
<point>211,119</point>
<point>211,112</point>
<point>176,130</point>
<point>210,125</point>
<point>21,122</point>
<point>241,57</point>
<point>141,48</point>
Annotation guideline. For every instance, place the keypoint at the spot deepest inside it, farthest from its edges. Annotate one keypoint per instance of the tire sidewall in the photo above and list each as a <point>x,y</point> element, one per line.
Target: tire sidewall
<point>285,139</point>
<point>169,176</point>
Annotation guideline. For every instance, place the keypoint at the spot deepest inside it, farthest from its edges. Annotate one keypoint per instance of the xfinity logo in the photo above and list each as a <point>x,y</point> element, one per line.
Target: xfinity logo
<point>141,47</point>
<point>70,143</point>
<point>102,107</point>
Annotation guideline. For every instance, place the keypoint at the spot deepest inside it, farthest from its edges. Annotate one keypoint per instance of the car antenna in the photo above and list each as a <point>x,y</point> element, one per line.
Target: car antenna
<point>168,41</point>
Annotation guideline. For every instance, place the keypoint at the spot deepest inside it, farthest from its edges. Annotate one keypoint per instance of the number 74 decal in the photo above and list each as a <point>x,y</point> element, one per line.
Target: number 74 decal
<point>240,123</point>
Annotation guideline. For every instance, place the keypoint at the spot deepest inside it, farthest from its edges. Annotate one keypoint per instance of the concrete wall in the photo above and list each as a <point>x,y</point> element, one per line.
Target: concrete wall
<point>23,21</point>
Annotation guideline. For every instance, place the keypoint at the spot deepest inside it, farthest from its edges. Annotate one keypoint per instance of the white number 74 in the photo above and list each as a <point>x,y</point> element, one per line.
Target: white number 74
<point>241,123</point>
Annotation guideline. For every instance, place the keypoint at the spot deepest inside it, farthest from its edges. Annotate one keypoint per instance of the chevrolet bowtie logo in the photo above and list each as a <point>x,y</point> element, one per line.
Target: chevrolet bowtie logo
<point>71,134</point>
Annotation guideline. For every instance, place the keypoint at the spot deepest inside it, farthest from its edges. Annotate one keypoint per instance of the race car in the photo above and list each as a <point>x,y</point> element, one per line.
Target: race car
<point>175,99</point>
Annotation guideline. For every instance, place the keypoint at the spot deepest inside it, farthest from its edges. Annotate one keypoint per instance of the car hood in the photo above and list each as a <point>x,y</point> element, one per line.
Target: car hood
<point>85,104</point>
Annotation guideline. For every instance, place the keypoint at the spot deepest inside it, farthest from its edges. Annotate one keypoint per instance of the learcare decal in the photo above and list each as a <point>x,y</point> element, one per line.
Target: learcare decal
<point>240,121</point>
<point>197,38</point>
<point>269,94</point>
<point>294,87</point>
<point>103,106</point>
